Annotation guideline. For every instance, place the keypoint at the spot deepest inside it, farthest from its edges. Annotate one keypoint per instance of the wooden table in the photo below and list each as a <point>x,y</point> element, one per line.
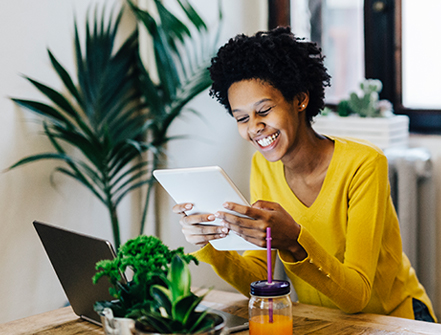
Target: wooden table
<point>307,320</point>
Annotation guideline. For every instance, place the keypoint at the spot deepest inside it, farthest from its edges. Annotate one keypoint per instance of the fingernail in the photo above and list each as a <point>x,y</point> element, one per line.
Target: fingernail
<point>225,230</point>
<point>226,205</point>
<point>211,217</point>
<point>217,214</point>
<point>223,235</point>
<point>188,206</point>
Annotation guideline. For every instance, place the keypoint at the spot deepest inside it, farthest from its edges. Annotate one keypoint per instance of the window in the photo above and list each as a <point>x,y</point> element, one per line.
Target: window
<point>400,48</point>
<point>421,52</point>
<point>337,27</point>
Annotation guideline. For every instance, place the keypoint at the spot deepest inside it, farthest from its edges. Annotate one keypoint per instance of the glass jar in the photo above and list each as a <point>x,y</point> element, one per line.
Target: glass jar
<point>270,308</point>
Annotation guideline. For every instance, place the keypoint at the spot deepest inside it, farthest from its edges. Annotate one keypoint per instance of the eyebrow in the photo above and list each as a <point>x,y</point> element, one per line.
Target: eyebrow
<point>255,104</point>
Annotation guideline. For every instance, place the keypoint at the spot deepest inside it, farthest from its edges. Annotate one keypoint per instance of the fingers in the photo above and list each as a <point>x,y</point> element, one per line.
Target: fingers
<point>200,234</point>
<point>196,218</point>
<point>242,209</point>
<point>194,230</point>
<point>181,208</point>
<point>253,227</point>
<point>247,228</point>
<point>267,205</point>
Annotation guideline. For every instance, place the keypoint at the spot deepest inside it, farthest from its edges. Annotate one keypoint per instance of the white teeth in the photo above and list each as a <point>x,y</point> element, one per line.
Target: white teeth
<point>264,142</point>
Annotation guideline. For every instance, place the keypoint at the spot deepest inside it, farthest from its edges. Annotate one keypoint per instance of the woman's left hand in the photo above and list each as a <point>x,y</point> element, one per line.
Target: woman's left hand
<point>263,214</point>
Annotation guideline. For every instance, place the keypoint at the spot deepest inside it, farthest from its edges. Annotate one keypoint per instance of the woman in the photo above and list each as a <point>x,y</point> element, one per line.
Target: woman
<point>326,199</point>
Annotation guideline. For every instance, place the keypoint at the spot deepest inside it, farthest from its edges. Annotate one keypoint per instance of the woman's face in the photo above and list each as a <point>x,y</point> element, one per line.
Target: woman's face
<point>265,118</point>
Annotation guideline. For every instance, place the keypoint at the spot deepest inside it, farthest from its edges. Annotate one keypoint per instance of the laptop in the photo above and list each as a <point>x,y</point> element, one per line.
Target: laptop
<point>74,256</point>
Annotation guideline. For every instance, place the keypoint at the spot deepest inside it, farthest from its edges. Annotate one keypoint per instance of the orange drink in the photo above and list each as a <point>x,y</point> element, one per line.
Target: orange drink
<point>281,325</point>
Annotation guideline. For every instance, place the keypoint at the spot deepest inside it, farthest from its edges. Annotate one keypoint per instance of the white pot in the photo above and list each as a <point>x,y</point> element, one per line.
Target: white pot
<point>218,329</point>
<point>116,326</point>
<point>387,132</point>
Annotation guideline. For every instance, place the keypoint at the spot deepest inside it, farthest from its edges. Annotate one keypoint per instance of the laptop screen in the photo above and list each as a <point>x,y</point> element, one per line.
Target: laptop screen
<point>73,257</point>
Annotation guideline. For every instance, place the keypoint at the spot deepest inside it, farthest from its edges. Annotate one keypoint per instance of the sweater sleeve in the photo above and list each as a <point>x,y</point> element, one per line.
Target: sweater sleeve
<point>238,270</point>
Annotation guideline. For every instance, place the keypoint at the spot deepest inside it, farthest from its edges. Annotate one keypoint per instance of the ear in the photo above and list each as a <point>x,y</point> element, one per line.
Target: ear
<point>302,101</point>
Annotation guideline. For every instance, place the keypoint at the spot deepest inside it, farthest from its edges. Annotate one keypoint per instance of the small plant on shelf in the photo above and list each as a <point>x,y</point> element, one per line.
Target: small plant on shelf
<point>368,104</point>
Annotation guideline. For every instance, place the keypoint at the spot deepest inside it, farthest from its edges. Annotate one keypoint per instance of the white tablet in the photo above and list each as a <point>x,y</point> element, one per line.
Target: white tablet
<point>207,188</point>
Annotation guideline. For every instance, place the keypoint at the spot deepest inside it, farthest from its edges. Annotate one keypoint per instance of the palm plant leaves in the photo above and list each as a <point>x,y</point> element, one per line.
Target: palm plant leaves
<point>112,111</point>
<point>180,81</point>
<point>92,115</point>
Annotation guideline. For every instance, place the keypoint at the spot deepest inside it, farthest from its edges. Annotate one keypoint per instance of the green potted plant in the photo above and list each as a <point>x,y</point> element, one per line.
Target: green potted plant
<point>174,307</point>
<point>159,293</point>
<point>365,116</point>
<point>107,118</point>
<point>368,104</point>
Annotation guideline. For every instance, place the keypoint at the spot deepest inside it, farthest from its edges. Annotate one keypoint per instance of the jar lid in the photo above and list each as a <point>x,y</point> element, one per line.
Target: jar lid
<point>264,289</point>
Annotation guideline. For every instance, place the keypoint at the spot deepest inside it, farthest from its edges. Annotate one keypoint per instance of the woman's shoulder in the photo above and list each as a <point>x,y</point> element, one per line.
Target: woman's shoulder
<point>353,143</point>
<point>356,145</point>
<point>357,150</point>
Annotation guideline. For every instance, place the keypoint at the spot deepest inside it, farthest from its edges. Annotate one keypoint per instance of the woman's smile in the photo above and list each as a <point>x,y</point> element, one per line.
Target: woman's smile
<point>268,141</point>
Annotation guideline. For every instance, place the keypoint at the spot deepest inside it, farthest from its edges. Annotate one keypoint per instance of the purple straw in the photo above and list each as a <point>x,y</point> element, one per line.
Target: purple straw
<point>270,269</point>
<point>268,255</point>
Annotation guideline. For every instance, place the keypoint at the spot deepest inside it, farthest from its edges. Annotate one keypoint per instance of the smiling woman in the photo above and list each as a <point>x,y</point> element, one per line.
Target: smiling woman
<point>326,199</point>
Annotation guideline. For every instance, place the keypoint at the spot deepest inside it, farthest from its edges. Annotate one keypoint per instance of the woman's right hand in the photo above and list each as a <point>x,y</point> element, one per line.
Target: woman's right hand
<point>194,229</point>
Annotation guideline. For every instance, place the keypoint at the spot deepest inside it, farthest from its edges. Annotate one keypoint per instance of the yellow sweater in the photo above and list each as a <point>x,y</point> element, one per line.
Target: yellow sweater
<point>350,233</point>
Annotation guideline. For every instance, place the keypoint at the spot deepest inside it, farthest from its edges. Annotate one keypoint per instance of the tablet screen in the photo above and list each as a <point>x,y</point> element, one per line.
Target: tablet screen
<point>207,188</point>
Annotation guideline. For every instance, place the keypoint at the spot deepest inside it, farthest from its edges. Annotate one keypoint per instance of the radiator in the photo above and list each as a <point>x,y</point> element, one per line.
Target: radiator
<point>413,194</point>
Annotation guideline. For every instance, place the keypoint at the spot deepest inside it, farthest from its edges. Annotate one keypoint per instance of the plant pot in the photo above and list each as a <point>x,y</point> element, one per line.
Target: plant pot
<point>116,326</point>
<point>387,132</point>
<point>219,328</point>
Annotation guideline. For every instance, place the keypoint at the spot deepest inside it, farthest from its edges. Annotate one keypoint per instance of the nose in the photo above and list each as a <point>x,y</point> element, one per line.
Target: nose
<point>255,126</point>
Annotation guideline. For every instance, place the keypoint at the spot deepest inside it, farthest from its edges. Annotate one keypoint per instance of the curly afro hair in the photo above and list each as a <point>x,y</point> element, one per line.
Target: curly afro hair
<point>277,57</point>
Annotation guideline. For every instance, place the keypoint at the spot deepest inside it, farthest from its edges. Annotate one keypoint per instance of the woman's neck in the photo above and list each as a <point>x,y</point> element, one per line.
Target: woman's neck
<point>309,154</point>
<point>306,170</point>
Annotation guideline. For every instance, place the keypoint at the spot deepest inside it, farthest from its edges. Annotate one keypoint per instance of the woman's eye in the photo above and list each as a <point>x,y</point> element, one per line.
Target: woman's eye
<point>264,111</point>
<point>242,119</point>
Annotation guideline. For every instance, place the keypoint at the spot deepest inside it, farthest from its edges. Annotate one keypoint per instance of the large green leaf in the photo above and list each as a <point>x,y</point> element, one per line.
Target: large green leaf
<point>44,110</point>
<point>161,325</point>
<point>66,78</point>
<point>193,15</point>
<point>179,277</point>
<point>56,97</point>
<point>163,297</point>
<point>201,324</point>
<point>38,157</point>
<point>177,30</point>
<point>184,306</point>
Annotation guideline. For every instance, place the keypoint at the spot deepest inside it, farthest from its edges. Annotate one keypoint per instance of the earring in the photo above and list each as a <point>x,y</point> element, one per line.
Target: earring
<point>303,106</point>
